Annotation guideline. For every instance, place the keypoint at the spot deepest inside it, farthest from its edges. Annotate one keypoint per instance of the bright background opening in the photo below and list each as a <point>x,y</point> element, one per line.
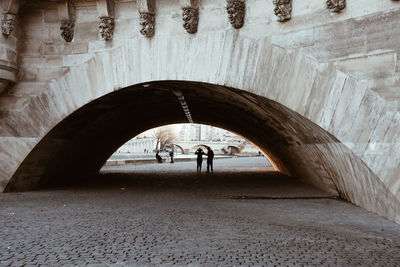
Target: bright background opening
<point>184,139</point>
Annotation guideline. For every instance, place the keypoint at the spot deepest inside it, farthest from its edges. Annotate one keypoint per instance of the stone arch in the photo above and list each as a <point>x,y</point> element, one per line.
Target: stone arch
<point>179,147</point>
<point>83,141</point>
<point>233,149</point>
<point>317,91</point>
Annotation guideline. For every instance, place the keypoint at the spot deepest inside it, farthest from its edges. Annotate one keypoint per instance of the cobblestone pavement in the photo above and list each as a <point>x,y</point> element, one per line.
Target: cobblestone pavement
<point>243,218</point>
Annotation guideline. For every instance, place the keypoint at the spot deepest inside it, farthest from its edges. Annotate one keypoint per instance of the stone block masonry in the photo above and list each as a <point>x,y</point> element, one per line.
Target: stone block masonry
<point>337,69</point>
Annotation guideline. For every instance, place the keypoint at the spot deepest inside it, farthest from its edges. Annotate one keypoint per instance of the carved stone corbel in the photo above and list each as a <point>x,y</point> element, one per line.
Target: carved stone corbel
<point>236,11</point>
<point>336,5</point>
<point>190,15</point>
<point>66,14</point>
<point>106,28</point>
<point>105,9</point>
<point>9,15</point>
<point>147,17</point>
<point>283,9</point>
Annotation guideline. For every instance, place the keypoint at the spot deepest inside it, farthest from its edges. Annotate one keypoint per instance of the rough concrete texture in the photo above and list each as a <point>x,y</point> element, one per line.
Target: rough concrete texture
<point>145,218</point>
<point>338,70</point>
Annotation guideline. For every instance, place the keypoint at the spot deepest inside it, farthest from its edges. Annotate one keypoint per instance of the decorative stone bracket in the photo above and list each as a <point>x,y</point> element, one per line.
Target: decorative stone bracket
<point>283,9</point>
<point>336,5</point>
<point>66,14</point>
<point>106,9</point>
<point>190,15</point>
<point>9,15</point>
<point>147,13</point>
<point>236,11</point>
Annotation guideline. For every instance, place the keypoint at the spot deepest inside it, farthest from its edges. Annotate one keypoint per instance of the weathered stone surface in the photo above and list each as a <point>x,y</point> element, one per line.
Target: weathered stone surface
<point>86,31</point>
<point>51,16</point>
<point>80,48</point>
<point>297,39</point>
<point>12,151</point>
<point>367,67</point>
<point>339,71</point>
<point>56,48</point>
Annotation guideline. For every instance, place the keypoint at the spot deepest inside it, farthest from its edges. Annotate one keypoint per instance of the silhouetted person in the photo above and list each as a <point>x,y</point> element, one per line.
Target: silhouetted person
<point>158,157</point>
<point>199,154</point>
<point>210,158</point>
<point>171,154</point>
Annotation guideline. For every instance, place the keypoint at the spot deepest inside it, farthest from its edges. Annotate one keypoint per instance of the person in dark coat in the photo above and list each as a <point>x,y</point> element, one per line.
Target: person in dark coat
<point>171,154</point>
<point>210,158</point>
<point>199,154</point>
<point>158,157</point>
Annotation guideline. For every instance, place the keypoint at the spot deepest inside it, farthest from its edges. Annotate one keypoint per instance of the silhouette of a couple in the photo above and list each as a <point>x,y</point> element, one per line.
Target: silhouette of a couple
<point>210,157</point>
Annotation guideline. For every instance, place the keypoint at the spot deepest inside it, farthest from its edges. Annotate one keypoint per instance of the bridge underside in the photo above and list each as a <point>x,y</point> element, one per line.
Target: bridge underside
<point>79,146</point>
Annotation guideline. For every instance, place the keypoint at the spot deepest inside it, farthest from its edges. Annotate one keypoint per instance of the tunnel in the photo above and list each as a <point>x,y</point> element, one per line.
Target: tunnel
<point>79,145</point>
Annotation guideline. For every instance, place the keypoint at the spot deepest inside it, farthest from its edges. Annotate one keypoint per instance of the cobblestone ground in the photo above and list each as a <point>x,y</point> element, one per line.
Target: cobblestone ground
<point>226,219</point>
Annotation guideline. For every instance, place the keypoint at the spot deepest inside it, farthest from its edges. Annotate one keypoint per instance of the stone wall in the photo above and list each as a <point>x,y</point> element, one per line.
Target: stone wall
<point>339,70</point>
<point>8,60</point>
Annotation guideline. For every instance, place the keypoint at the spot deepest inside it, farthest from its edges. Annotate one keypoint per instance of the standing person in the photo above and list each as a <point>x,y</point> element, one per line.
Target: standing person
<point>210,158</point>
<point>199,154</point>
<point>171,154</point>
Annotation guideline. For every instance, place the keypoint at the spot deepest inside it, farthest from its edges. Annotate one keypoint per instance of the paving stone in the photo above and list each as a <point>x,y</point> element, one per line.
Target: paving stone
<point>185,222</point>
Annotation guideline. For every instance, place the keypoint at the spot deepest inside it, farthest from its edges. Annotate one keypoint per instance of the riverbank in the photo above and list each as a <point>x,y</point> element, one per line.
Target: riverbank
<point>149,158</point>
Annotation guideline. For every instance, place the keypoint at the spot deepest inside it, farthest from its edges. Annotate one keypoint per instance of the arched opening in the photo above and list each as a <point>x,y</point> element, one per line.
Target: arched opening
<point>178,143</point>
<point>232,150</point>
<point>178,147</point>
<point>79,145</point>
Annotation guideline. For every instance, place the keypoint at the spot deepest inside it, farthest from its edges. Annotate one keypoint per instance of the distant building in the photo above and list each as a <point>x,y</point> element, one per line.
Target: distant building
<point>188,132</point>
<point>200,132</point>
<point>138,145</point>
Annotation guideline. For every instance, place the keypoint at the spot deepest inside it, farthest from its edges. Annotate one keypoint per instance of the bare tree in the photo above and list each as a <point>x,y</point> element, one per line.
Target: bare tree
<point>163,135</point>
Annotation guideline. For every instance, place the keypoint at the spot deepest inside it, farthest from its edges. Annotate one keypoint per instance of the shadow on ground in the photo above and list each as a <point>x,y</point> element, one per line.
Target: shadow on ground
<point>254,218</point>
<point>252,184</point>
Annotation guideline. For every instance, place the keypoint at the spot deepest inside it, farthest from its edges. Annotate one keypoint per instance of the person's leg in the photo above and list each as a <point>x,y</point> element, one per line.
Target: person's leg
<point>208,166</point>
<point>211,165</point>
